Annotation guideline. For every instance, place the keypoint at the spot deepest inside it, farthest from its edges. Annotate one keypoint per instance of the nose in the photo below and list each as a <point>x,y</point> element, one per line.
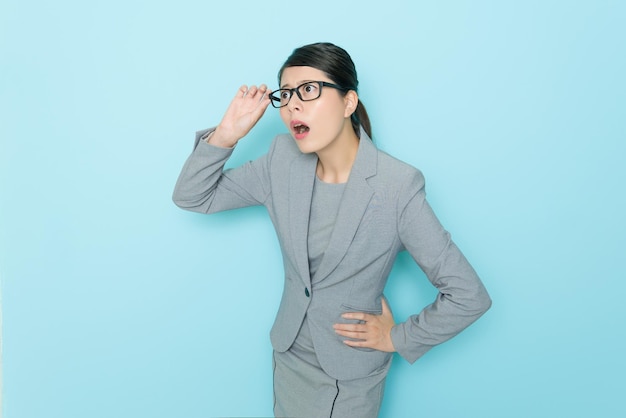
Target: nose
<point>294,103</point>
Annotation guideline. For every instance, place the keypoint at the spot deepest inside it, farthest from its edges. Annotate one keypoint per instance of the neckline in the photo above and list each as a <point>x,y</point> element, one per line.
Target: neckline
<point>320,181</point>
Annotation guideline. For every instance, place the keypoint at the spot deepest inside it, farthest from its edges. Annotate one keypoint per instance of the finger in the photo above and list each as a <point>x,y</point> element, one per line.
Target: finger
<point>351,331</point>
<point>361,316</point>
<point>259,92</point>
<point>353,343</point>
<point>386,309</point>
<point>351,334</point>
<point>242,91</point>
<point>261,106</point>
<point>265,92</point>
<point>252,91</point>
<point>350,327</point>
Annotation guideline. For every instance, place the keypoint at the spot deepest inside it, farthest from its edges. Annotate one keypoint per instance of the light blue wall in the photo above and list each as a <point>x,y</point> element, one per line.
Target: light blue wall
<point>115,303</point>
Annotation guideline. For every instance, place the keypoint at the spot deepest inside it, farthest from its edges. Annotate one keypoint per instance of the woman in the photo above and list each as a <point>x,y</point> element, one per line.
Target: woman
<point>342,210</point>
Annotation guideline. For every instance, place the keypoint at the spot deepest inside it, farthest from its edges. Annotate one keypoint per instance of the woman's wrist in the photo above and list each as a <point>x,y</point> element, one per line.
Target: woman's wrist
<point>217,139</point>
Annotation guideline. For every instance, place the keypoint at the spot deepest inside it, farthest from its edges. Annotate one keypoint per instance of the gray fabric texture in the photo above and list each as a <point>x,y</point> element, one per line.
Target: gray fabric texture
<point>302,388</point>
<point>383,211</point>
<point>324,208</point>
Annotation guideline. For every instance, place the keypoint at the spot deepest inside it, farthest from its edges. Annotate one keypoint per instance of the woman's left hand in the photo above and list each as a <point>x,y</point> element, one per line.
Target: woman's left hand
<point>374,332</point>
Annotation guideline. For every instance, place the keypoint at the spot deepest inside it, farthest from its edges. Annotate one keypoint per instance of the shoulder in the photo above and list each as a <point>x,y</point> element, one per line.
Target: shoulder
<point>399,181</point>
<point>397,173</point>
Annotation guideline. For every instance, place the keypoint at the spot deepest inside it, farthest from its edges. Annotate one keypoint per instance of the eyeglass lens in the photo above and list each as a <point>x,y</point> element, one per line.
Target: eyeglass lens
<point>307,91</point>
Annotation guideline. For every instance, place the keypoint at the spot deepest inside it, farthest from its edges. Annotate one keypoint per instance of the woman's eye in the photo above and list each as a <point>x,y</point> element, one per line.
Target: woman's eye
<point>310,88</point>
<point>284,95</point>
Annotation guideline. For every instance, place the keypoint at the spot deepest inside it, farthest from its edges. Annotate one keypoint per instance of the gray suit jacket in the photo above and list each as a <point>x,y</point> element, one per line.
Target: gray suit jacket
<point>383,211</point>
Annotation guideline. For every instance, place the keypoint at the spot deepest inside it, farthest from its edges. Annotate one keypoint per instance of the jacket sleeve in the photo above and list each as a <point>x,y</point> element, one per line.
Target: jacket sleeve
<point>462,298</point>
<point>204,186</point>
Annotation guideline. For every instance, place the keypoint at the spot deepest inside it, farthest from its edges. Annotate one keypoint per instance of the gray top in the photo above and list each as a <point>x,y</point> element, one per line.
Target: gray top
<point>324,207</point>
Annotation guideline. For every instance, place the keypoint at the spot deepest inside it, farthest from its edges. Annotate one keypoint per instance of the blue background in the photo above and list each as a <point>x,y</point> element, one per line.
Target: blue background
<point>115,303</point>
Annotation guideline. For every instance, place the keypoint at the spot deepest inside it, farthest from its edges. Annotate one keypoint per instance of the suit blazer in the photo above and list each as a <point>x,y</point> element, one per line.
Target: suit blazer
<point>383,211</point>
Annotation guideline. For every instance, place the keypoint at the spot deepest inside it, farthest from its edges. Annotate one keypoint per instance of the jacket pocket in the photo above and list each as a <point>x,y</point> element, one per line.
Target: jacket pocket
<point>350,308</point>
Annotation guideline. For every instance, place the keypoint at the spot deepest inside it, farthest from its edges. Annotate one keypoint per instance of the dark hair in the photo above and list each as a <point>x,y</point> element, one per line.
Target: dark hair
<point>336,63</point>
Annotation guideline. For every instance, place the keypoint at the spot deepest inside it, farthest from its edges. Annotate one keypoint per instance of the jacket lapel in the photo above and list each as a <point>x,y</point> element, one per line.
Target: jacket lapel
<point>354,202</point>
<point>301,180</point>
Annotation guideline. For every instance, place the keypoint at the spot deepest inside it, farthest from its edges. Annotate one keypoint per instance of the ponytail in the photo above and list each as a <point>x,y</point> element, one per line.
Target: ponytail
<point>360,118</point>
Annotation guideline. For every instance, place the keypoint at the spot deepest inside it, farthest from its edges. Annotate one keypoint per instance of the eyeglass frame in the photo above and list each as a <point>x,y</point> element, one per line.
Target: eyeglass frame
<point>296,89</point>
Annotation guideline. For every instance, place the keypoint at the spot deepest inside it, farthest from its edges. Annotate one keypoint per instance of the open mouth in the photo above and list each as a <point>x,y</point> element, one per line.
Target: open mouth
<point>300,128</point>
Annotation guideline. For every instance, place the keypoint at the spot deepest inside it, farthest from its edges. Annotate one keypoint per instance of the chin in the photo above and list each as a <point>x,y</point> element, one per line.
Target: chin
<point>305,147</point>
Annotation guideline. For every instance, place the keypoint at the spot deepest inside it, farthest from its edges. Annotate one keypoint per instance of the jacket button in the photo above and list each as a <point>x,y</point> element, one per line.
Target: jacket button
<point>306,292</point>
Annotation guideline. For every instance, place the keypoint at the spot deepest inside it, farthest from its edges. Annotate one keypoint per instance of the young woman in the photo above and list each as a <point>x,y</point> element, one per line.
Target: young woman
<point>342,211</point>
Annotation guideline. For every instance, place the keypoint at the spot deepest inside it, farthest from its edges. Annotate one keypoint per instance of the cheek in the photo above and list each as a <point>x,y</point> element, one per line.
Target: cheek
<point>327,111</point>
<point>284,115</point>
<point>333,115</point>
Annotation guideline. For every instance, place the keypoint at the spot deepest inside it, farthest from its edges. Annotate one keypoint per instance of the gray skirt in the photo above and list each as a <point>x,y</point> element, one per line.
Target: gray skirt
<point>303,390</point>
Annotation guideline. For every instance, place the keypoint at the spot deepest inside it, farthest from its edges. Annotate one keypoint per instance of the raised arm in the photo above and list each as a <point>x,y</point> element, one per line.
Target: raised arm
<point>244,111</point>
<point>202,185</point>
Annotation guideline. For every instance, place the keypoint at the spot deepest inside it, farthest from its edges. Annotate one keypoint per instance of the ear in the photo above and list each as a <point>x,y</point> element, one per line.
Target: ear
<point>351,101</point>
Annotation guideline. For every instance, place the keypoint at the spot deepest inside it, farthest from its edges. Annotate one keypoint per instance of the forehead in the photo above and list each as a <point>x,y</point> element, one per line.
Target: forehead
<point>293,76</point>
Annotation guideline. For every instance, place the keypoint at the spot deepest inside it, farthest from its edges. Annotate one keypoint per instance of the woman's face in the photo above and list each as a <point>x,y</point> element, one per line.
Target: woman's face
<point>318,123</point>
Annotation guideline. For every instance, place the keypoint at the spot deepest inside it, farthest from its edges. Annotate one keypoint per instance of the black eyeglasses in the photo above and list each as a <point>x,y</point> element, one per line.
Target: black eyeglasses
<point>308,91</point>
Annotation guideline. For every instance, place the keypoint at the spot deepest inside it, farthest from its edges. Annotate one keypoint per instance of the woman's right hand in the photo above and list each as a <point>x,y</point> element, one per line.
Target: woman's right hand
<point>242,114</point>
